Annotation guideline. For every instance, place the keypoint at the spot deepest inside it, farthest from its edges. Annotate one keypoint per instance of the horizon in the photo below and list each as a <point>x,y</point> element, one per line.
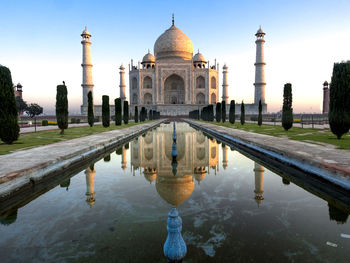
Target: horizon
<point>303,41</point>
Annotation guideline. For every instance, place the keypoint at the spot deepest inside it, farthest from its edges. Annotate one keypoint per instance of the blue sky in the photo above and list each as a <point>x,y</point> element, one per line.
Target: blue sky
<point>40,43</point>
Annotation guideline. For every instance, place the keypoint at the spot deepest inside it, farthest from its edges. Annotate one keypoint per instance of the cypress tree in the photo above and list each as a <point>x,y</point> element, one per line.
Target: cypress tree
<point>105,111</point>
<point>287,110</point>
<point>223,111</point>
<point>339,103</point>
<point>91,117</point>
<point>136,114</point>
<point>218,112</point>
<point>260,114</point>
<point>9,129</point>
<point>142,114</point>
<point>118,111</point>
<point>62,107</point>
<point>232,113</point>
<point>150,115</point>
<point>242,113</point>
<point>211,112</point>
<point>126,112</point>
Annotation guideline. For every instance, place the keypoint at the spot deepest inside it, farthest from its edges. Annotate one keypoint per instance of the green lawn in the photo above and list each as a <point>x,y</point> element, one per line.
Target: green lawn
<point>315,136</point>
<point>30,140</point>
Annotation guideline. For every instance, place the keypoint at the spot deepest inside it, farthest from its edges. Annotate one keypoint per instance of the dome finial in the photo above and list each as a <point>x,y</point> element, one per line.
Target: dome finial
<point>173,20</point>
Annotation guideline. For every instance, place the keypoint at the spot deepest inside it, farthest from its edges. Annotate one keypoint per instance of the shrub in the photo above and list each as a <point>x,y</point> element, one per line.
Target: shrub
<point>91,118</point>
<point>44,123</point>
<point>77,121</point>
<point>339,104</point>
<point>72,120</point>
<point>9,129</point>
<point>232,113</point>
<point>105,111</point>
<point>136,114</point>
<point>62,107</point>
<point>96,119</point>
<point>218,112</point>
<point>242,113</point>
<point>118,111</point>
<point>223,111</point>
<point>126,112</point>
<point>287,110</point>
<point>260,114</point>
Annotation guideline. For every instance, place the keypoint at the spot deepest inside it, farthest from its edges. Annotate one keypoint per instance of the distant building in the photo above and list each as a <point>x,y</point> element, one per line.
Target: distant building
<point>325,107</point>
<point>18,90</point>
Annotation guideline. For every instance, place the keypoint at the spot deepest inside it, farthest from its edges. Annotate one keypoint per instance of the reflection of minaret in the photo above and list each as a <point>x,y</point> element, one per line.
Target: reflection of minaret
<point>259,178</point>
<point>90,182</point>
<point>224,156</point>
<point>123,158</point>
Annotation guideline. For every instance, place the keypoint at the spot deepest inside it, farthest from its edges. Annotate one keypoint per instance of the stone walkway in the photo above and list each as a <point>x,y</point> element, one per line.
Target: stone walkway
<point>319,157</point>
<point>52,127</point>
<point>18,168</point>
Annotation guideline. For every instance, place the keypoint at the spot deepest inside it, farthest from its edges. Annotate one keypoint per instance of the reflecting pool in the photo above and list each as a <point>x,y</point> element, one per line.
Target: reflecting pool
<point>233,209</point>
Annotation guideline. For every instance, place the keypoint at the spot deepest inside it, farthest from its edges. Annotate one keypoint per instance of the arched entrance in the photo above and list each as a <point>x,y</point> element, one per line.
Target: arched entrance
<point>174,90</point>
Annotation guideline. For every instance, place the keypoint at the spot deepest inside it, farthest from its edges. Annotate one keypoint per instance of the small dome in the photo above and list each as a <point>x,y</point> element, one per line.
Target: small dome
<point>86,33</point>
<point>225,67</point>
<point>199,58</point>
<point>325,83</point>
<point>148,58</point>
<point>173,43</point>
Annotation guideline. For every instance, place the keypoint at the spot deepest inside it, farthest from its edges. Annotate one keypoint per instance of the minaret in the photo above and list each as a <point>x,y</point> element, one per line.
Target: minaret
<point>122,84</point>
<point>259,180</point>
<point>224,156</point>
<point>90,183</point>
<point>123,158</point>
<point>260,68</point>
<point>87,67</point>
<point>224,84</point>
<point>325,108</point>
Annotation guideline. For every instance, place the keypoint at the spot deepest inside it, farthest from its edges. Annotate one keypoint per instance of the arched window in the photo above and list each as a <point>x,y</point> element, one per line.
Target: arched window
<point>134,83</point>
<point>134,98</point>
<point>200,98</point>
<point>147,83</point>
<point>213,82</point>
<point>200,83</point>
<point>213,98</point>
<point>147,98</point>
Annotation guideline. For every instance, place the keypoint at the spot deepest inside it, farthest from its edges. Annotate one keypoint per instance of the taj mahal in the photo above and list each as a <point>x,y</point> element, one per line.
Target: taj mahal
<point>175,81</point>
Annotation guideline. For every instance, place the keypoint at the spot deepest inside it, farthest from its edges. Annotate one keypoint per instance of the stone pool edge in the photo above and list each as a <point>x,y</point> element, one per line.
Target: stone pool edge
<point>16,180</point>
<point>339,177</point>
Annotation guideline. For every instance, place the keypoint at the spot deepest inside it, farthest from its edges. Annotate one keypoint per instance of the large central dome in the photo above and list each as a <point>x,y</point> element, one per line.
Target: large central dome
<point>173,43</point>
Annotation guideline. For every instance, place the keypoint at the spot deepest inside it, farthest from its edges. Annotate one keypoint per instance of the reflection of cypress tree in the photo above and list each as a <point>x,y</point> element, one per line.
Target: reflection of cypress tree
<point>119,151</point>
<point>285,181</point>
<point>65,183</point>
<point>8,217</point>
<point>92,166</point>
<point>107,158</point>
<point>126,146</point>
<point>336,214</point>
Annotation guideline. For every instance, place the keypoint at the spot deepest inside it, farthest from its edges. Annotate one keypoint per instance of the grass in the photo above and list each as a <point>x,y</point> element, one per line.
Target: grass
<point>315,136</point>
<point>34,139</point>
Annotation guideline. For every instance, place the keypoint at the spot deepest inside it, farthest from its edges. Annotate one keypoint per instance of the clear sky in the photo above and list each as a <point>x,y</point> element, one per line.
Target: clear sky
<point>40,43</point>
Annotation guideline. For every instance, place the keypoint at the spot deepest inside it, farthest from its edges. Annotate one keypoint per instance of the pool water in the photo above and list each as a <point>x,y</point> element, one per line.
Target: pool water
<point>232,208</point>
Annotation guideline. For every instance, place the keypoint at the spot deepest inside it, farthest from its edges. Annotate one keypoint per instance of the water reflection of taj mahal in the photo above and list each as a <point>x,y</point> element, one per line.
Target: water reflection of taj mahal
<point>197,155</point>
